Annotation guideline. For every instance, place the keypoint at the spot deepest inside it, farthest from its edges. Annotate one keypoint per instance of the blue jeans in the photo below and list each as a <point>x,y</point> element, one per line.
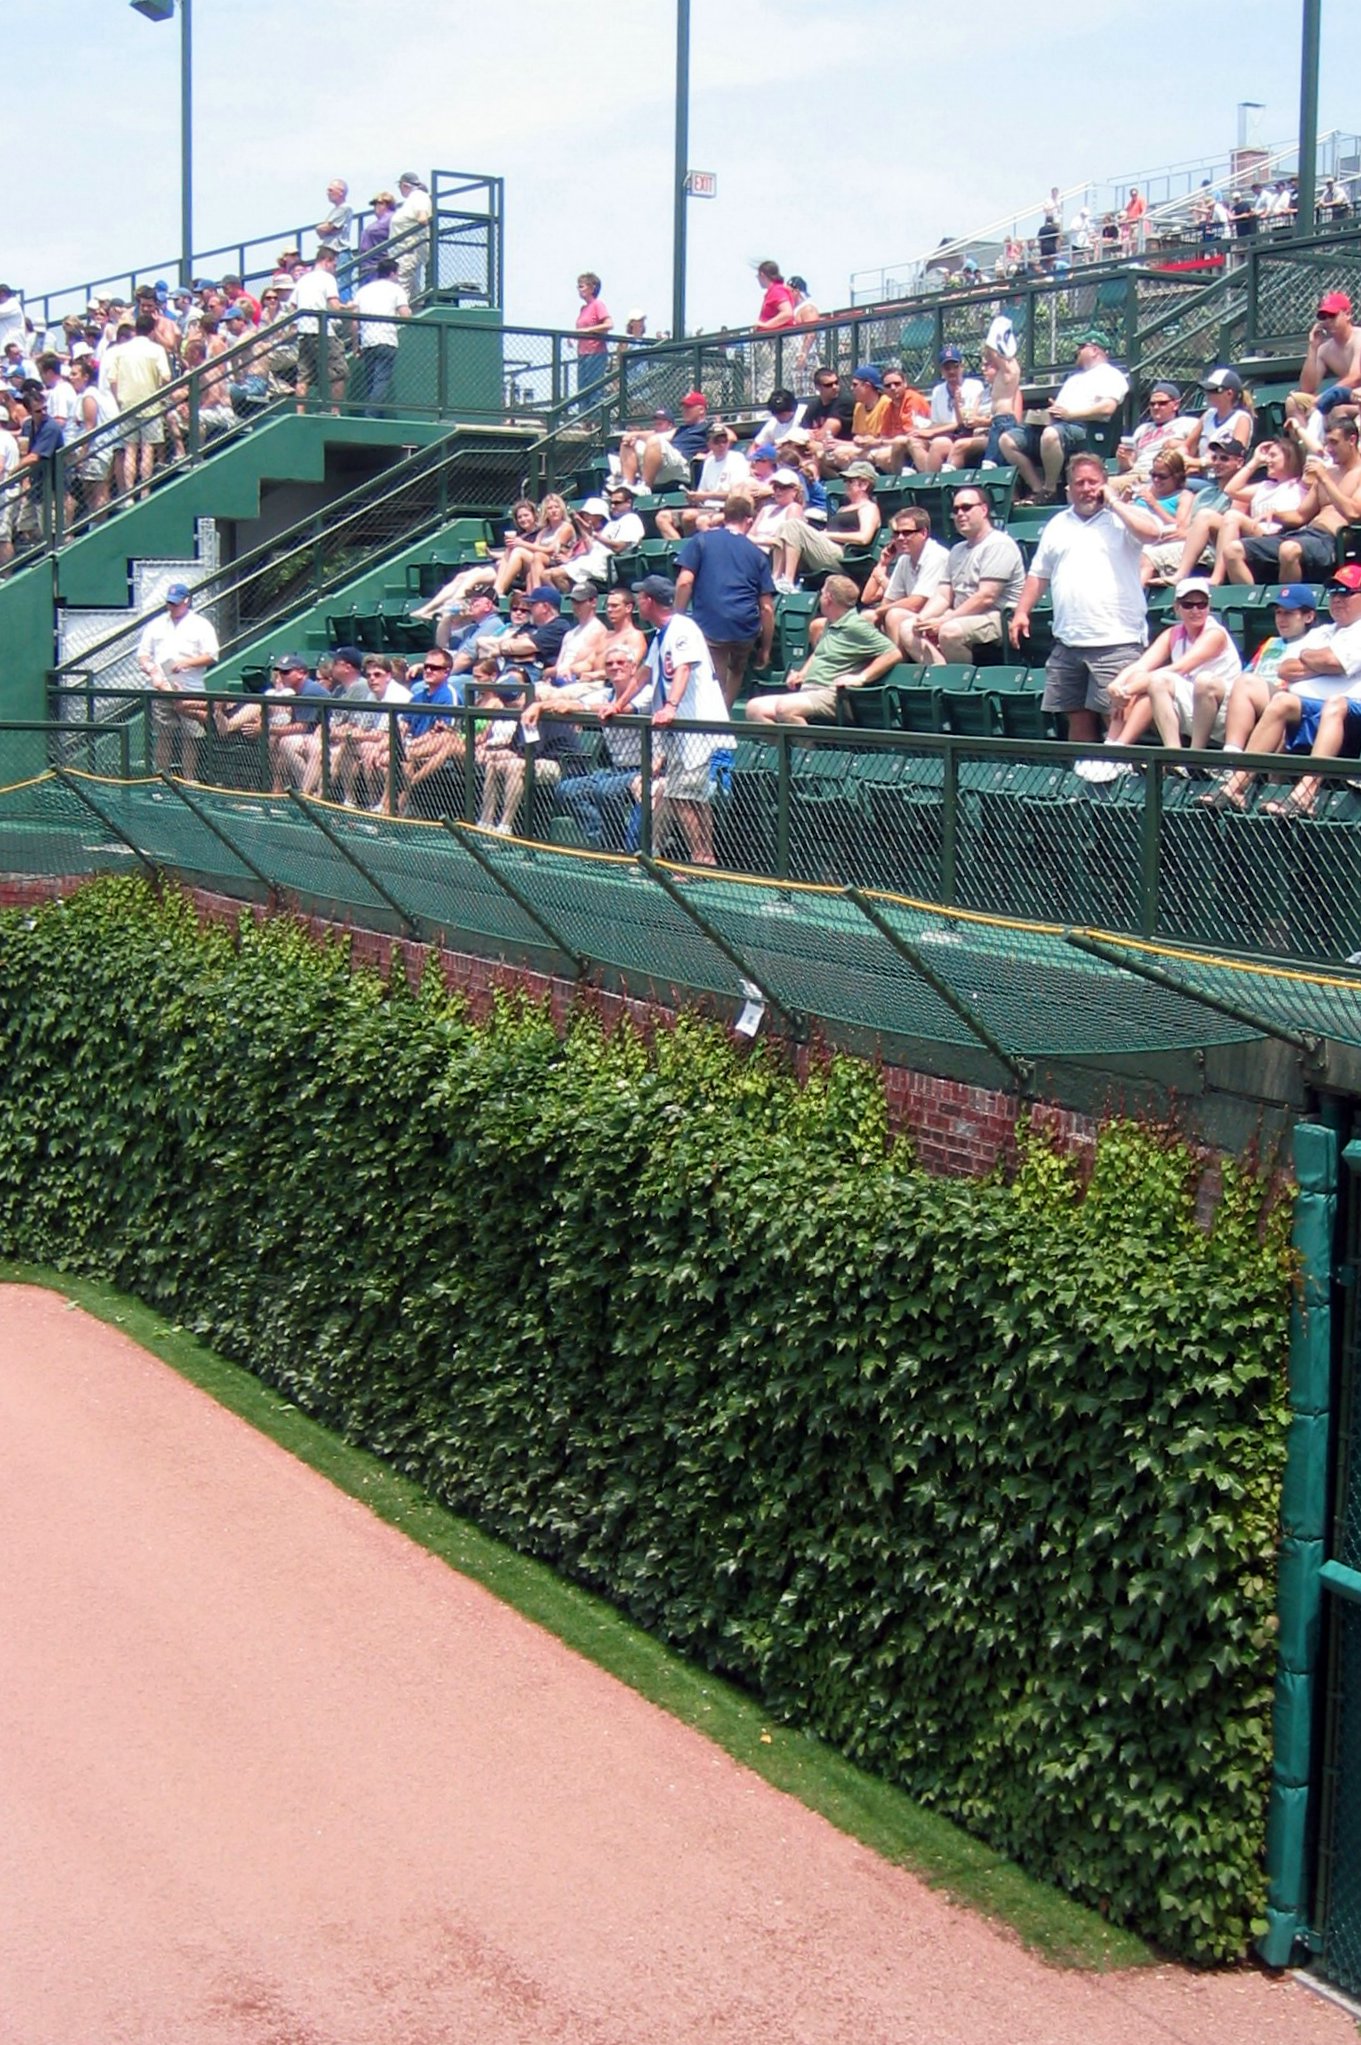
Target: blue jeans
<point>378,364</point>
<point>600,804</point>
<point>1336,394</point>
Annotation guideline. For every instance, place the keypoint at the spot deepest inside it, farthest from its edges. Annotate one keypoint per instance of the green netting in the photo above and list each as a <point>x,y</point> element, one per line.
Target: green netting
<point>888,961</point>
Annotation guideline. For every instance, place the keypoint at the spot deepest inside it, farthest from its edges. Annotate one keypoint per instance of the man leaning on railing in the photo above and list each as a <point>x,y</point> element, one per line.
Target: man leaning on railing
<point>175,651</point>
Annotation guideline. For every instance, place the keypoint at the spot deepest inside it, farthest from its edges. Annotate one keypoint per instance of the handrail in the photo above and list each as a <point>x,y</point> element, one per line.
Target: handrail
<point>443,184</point>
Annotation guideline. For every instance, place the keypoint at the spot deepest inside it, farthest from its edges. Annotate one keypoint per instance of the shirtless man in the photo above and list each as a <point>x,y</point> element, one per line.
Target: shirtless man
<point>620,629</point>
<point>1332,367</point>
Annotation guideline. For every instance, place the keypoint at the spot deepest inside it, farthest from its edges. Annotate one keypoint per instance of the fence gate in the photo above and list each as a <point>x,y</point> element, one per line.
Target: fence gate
<point>1337,1906</point>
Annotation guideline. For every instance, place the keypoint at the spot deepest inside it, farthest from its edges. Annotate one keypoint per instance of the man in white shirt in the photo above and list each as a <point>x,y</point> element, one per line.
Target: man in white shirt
<point>985,574</point>
<point>315,293</point>
<point>380,304</point>
<point>906,575</point>
<point>408,231</point>
<point>13,325</point>
<point>1091,555</point>
<point>722,471</point>
<point>138,370</point>
<point>955,403</point>
<point>623,530</point>
<point>684,685</point>
<point>1166,426</point>
<point>175,651</point>
<point>1094,391</point>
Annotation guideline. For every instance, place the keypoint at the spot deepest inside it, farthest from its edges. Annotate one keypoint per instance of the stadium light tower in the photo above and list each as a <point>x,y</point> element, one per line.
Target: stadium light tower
<point>682,153</point>
<point>162,10</point>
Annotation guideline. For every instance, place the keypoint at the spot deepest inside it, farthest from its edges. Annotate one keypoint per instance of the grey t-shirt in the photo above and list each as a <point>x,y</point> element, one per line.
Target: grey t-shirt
<point>995,558</point>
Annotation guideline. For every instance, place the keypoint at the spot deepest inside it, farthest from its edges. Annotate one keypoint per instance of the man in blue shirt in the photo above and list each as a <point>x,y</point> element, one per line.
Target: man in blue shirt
<point>724,581</point>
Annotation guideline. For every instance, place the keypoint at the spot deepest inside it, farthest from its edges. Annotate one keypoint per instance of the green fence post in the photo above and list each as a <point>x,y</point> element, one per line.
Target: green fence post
<point>333,838</point>
<point>466,836</point>
<point>683,901</point>
<point>1150,848</point>
<point>783,777</point>
<point>210,823</point>
<point>645,773</point>
<point>1304,1493</point>
<point>949,821</point>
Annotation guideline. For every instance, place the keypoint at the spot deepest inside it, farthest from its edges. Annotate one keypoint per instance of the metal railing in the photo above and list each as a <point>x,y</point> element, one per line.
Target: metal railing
<point>465,260</point>
<point>996,827</point>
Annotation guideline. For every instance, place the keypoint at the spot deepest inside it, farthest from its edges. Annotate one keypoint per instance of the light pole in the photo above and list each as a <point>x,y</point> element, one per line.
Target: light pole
<point>682,151</point>
<point>1309,47</point>
<point>162,10</point>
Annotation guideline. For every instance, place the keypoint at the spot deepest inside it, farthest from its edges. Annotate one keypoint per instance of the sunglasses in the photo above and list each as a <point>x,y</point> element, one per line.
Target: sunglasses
<point>1193,603</point>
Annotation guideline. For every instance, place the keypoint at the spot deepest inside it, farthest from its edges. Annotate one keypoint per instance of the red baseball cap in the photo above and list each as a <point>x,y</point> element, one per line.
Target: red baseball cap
<point>1348,578</point>
<point>1336,301</point>
<point>698,397</point>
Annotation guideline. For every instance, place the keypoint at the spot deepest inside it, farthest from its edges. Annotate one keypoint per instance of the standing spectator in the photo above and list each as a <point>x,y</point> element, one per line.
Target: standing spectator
<point>778,304</point>
<point>1094,391</point>
<point>1051,227</point>
<point>174,653</point>
<point>138,373</point>
<point>593,322</point>
<point>1090,555</point>
<point>94,408</point>
<point>11,488</point>
<point>375,233</point>
<point>409,231</point>
<point>724,582</point>
<point>985,574</point>
<point>847,653</point>
<point>13,323</point>
<point>380,304</point>
<point>684,686</point>
<point>315,294</point>
<point>61,397</point>
<point>1132,221</point>
<point>333,229</point>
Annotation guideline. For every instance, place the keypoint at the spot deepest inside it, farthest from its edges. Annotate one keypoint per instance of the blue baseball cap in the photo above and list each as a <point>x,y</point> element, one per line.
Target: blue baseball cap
<point>951,354</point>
<point>545,594</point>
<point>1295,596</point>
<point>177,593</point>
<point>867,372</point>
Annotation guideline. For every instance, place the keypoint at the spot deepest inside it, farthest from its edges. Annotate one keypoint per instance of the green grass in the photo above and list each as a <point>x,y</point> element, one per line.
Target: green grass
<point>879,1816</point>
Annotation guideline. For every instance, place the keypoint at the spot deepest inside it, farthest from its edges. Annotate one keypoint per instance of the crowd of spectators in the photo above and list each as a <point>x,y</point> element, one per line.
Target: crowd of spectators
<point>115,377</point>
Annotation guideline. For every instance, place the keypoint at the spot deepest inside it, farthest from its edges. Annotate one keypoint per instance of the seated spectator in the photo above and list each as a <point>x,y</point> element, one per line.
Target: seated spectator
<point>870,410</point>
<point>830,415</point>
<point>1332,499</point>
<point>622,532</point>
<point>906,575</point>
<point>803,548</point>
<point>448,601</point>
<point>783,410</point>
<point>783,494</point>
<point>956,408</point>
<point>1166,428</point>
<point>663,461</point>
<point>539,644</point>
<point>552,545</point>
<point>620,629</point>
<point>461,633</point>
<point>600,803</point>
<point>984,575</point>
<point>433,740</point>
<point>1227,417</point>
<point>1261,505</point>
<point>295,741</point>
<point>1316,707</point>
<point>1163,558</point>
<point>1256,685</point>
<point>581,656</point>
<point>1332,365</point>
<point>1182,681</point>
<point>724,582</point>
<point>499,743</point>
<point>847,652</point>
<point>1094,391</point>
<point>798,453</point>
<point>724,471</point>
<point>380,737</point>
<point>588,559</point>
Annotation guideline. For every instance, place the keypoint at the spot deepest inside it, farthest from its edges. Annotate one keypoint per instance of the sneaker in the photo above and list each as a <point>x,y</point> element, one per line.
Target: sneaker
<point>1101,769</point>
<point>785,585</point>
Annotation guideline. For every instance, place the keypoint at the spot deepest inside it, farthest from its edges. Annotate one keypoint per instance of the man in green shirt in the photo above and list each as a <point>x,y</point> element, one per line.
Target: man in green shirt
<point>848,651</point>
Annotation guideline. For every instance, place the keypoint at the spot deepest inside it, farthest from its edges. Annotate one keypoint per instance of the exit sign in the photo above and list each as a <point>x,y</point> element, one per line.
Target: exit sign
<point>702,184</point>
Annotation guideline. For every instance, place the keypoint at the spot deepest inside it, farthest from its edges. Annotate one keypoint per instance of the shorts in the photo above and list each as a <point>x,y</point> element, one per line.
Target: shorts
<point>685,767</point>
<point>1027,438</point>
<point>144,433</point>
<point>1183,695</point>
<point>1305,735</point>
<point>796,704</point>
<point>1080,677</point>
<point>1318,554</point>
<point>309,359</point>
<point>673,471</point>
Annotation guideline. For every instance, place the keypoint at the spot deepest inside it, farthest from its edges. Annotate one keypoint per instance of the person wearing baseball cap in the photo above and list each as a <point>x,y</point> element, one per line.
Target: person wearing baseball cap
<point>1296,614</point>
<point>1096,390</point>
<point>871,407</point>
<point>664,458</point>
<point>1316,706</point>
<point>1225,416</point>
<point>684,687</point>
<point>1180,683</point>
<point>954,406</point>
<point>1332,365</point>
<point>724,470</point>
<point>801,545</point>
<point>1166,427</point>
<point>174,653</point>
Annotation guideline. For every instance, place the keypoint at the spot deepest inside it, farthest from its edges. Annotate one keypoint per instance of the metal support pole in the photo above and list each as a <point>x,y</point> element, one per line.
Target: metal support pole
<point>403,916</point>
<point>1020,1069</point>
<point>1111,955</point>
<point>1309,54</point>
<point>68,780</point>
<point>176,787</point>
<point>682,152</point>
<point>186,142</point>
<point>793,1020</point>
<point>466,836</point>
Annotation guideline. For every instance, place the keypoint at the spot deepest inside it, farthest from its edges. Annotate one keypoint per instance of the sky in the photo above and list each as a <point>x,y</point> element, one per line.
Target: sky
<point>843,138</point>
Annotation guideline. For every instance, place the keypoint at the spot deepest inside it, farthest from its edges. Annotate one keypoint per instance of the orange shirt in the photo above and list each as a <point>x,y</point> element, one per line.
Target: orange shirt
<point>903,416</point>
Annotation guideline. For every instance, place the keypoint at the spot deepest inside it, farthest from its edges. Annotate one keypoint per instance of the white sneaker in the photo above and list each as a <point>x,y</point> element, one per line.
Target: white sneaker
<point>1101,770</point>
<point>785,585</point>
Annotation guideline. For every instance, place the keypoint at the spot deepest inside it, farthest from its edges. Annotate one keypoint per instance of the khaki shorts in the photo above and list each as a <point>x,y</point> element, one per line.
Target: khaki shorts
<point>1080,677</point>
<point>797,704</point>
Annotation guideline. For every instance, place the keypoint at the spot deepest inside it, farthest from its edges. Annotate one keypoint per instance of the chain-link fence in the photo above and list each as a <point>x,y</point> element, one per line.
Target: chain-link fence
<point>1284,285</point>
